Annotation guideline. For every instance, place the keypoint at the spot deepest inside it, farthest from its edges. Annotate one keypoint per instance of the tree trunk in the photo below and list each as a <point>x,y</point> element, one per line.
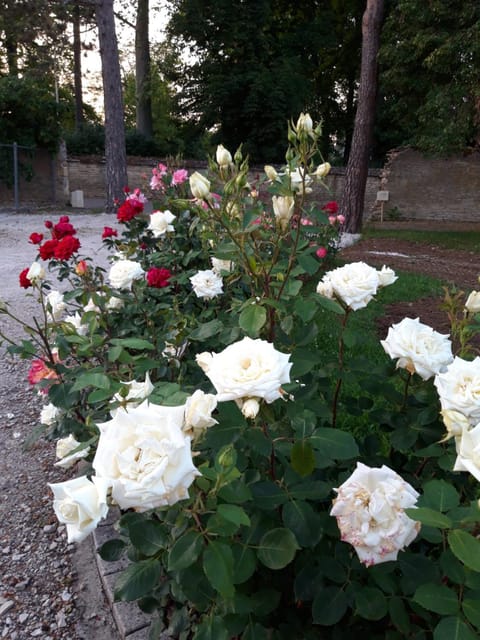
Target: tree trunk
<point>77,67</point>
<point>142,72</point>
<point>357,167</point>
<point>115,154</point>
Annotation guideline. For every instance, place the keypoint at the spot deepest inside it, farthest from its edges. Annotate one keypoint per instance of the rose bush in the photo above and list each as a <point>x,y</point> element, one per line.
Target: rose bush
<point>225,414</point>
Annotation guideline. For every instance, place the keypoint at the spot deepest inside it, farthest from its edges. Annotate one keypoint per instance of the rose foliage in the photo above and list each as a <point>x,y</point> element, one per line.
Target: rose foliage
<point>271,479</point>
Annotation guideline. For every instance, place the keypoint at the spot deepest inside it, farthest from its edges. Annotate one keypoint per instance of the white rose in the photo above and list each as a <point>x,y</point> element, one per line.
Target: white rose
<point>223,156</point>
<point>305,123</point>
<point>249,407</point>
<point>76,321</point>
<point>283,207</point>
<point>355,284</point>
<point>468,452</point>
<point>91,306</point>
<point>455,422</point>
<point>247,369</point>
<point>459,388</point>
<point>270,172</point>
<point>324,288</point>
<point>49,414</point>
<point>146,456</point>
<point>298,183</point>
<point>199,186</point>
<point>323,169</point>
<point>55,305</point>
<point>207,284</point>
<point>418,347</point>
<point>114,303</point>
<point>123,273</point>
<point>473,302</point>
<point>387,276</point>
<point>64,449</point>
<point>137,392</point>
<point>198,412</point>
<point>221,265</point>
<point>369,508</point>
<point>80,504</point>
<point>161,223</point>
<point>36,272</point>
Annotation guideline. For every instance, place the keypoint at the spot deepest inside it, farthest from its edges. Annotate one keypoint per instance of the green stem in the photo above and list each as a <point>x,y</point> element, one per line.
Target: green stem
<point>341,355</point>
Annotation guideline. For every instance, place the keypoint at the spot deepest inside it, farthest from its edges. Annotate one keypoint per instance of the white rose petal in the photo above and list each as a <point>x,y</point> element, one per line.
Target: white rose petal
<point>161,223</point>
<point>356,283</point>
<point>123,272</point>
<point>80,504</point>
<point>418,347</point>
<point>64,449</point>
<point>459,388</point>
<point>221,265</point>
<point>283,207</point>
<point>146,456</point>
<point>137,392</point>
<point>472,303</point>
<point>207,284</point>
<point>36,272</point>
<point>76,321</point>
<point>387,276</point>
<point>370,511</point>
<point>247,369</point>
<point>468,452</point>
<point>49,414</point>
<point>55,305</point>
<point>198,412</point>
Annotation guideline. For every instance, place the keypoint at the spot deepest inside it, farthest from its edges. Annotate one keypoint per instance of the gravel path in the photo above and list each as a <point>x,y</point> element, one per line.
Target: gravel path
<point>48,589</point>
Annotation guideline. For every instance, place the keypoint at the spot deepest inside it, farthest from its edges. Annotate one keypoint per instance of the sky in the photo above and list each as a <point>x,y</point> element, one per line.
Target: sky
<point>91,63</point>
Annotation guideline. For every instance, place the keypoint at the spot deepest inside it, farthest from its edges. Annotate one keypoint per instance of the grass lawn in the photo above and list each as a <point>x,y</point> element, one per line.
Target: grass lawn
<point>459,240</point>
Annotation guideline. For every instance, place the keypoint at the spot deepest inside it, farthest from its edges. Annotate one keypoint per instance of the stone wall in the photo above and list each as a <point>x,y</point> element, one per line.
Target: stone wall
<point>421,188</point>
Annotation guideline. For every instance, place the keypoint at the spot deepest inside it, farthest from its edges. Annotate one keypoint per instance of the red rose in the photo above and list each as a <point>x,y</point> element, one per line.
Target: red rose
<point>35,238</point>
<point>108,232</point>
<point>48,224</point>
<point>158,277</point>
<point>321,252</point>
<point>24,281</point>
<point>64,219</point>
<point>331,207</point>
<point>66,247</point>
<point>129,209</point>
<point>47,249</point>
<point>63,229</point>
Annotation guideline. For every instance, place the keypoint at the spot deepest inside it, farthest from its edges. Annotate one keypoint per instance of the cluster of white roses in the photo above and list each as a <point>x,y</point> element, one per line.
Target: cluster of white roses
<point>143,458</point>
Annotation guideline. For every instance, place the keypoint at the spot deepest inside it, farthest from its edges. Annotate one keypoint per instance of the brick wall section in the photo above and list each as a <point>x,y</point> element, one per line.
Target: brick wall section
<point>88,174</point>
<point>443,189</point>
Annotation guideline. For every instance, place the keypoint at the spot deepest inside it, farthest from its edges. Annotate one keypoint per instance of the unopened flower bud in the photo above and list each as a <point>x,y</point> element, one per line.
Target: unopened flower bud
<point>305,124</point>
<point>223,156</point>
<point>250,408</point>
<point>270,172</point>
<point>81,268</point>
<point>199,186</point>
<point>323,170</point>
<point>473,302</point>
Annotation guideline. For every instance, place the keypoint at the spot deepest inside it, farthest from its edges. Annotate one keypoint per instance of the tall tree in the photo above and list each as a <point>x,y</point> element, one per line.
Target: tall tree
<point>143,70</point>
<point>115,154</point>
<point>357,167</point>
<point>429,65</point>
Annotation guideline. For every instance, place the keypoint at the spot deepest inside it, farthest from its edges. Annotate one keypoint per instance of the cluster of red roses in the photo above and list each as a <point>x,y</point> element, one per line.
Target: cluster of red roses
<point>132,206</point>
<point>63,243</point>
<point>158,277</point>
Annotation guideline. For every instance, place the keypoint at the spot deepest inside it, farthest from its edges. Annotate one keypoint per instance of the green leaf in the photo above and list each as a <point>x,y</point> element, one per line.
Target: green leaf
<point>429,517</point>
<point>466,548</point>
<point>277,548</point>
<point>218,567</point>
<point>138,580</point>
<point>329,606</point>
<point>308,263</point>
<point>334,443</point>
<point>310,490</point>
<point>185,551</point>
<point>133,343</point>
<point>303,521</point>
<point>148,536</point>
<point>99,395</point>
<point>97,380</point>
<point>371,603</point>
<point>255,631</point>
<point>437,598</point>
<point>304,360</point>
<point>268,495</point>
<point>330,305</point>
<point>439,495</point>
<point>453,629</point>
<point>399,616</point>
<point>305,308</point>
<point>302,458</point>
<point>212,628</point>
<point>245,563</point>
<point>206,330</point>
<point>252,319</point>
<point>236,492</point>
<point>233,513</point>
<point>471,607</point>
<point>112,550</point>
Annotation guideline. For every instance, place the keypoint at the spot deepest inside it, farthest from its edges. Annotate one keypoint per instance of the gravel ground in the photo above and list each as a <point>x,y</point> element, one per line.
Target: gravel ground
<point>48,589</point>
